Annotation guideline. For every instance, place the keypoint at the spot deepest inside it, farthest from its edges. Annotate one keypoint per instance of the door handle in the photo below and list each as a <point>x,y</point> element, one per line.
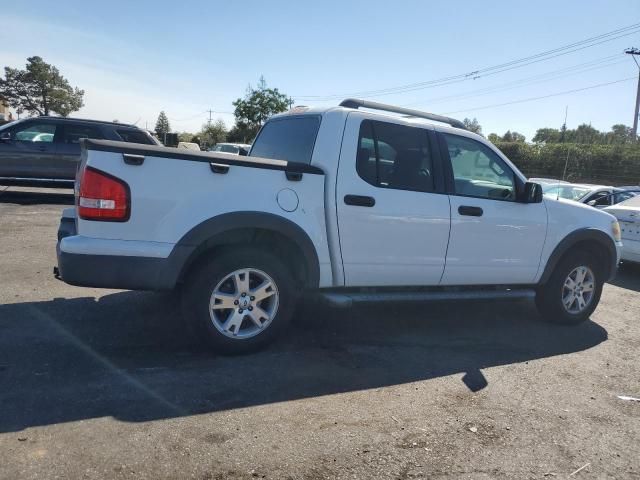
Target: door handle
<point>359,200</point>
<point>470,211</point>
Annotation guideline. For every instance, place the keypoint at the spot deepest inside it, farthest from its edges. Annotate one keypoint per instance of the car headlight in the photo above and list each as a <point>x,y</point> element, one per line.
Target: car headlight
<point>615,231</point>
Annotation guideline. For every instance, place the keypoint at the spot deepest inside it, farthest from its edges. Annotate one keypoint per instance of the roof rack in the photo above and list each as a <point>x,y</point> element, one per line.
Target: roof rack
<point>357,103</point>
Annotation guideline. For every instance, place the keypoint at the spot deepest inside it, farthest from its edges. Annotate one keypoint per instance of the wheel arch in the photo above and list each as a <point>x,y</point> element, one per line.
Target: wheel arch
<point>589,238</point>
<point>261,229</point>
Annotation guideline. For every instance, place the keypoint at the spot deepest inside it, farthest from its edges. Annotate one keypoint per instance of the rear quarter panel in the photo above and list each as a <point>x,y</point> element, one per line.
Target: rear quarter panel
<point>169,197</point>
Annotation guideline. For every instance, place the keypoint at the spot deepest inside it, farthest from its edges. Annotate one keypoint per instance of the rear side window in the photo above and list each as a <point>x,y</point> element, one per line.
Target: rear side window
<point>134,136</point>
<point>291,139</point>
<point>74,133</point>
<point>394,156</point>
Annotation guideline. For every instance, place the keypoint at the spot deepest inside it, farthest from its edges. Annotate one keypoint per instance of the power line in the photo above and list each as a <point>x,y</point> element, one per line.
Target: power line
<point>541,78</point>
<point>530,99</point>
<point>517,63</point>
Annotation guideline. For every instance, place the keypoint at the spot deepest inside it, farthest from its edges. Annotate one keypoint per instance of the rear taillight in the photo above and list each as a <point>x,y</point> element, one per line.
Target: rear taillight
<point>103,197</point>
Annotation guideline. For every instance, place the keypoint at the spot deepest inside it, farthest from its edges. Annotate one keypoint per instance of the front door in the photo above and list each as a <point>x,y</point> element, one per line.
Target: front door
<point>30,150</point>
<point>494,239</point>
<point>393,215</point>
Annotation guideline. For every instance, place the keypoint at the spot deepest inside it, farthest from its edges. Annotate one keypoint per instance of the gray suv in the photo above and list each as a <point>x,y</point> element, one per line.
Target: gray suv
<point>46,150</point>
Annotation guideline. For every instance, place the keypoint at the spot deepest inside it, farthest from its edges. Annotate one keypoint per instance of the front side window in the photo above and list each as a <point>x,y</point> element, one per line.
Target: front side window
<point>35,132</point>
<point>394,156</point>
<point>74,133</point>
<point>478,171</point>
<point>289,138</point>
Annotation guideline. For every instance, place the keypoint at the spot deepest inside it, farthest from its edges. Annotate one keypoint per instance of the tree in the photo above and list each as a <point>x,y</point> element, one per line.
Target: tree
<point>162,126</point>
<point>213,133</point>
<point>256,106</point>
<point>507,137</point>
<point>472,125</point>
<point>547,135</point>
<point>619,135</point>
<point>494,137</point>
<point>40,89</point>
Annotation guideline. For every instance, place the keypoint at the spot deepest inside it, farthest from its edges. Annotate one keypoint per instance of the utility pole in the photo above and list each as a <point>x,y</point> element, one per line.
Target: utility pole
<point>633,52</point>
<point>210,113</point>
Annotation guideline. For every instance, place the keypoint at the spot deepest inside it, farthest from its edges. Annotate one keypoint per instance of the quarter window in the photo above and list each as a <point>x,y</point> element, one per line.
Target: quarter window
<point>35,132</point>
<point>394,156</point>
<point>478,171</point>
<point>74,133</point>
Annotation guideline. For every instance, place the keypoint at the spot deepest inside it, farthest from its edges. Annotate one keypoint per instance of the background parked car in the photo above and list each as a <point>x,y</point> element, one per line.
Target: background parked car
<point>189,146</point>
<point>628,215</point>
<point>598,196</point>
<point>237,148</point>
<point>47,149</point>
<point>546,180</point>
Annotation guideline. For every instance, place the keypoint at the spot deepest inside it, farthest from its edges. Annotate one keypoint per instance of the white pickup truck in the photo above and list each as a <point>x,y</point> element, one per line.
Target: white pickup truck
<point>363,202</point>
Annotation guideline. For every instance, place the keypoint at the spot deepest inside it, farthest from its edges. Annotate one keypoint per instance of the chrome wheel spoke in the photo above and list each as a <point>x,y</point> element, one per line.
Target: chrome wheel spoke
<point>241,280</point>
<point>223,301</point>
<point>569,300</point>
<point>581,302</point>
<point>264,291</point>
<point>569,283</point>
<point>259,316</point>
<point>587,287</point>
<point>580,274</point>
<point>233,322</point>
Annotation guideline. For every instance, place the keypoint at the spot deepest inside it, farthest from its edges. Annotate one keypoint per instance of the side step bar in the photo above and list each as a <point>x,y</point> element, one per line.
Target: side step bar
<point>348,299</point>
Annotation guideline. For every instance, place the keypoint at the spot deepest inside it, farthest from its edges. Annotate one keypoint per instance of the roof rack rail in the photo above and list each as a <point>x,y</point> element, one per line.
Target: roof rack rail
<point>357,103</point>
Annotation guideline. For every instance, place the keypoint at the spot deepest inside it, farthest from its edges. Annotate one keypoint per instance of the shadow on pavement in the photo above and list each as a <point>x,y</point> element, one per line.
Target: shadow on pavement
<point>125,355</point>
<point>628,276</point>
<point>22,197</point>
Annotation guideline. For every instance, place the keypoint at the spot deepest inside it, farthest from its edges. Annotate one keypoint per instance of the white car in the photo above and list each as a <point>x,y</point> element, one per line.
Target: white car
<point>599,196</point>
<point>352,205</point>
<point>628,214</point>
<point>235,148</point>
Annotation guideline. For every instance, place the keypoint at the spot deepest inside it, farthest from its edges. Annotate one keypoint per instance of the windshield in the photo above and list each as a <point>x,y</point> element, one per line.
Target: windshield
<point>569,192</point>
<point>288,138</point>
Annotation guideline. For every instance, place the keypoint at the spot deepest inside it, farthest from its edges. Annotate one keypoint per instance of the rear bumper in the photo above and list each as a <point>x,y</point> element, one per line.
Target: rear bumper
<point>113,271</point>
<point>101,263</point>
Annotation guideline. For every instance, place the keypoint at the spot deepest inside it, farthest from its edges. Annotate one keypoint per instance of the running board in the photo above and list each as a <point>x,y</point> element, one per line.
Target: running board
<point>348,299</point>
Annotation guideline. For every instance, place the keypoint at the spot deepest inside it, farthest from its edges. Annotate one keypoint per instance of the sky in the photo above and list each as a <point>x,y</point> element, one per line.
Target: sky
<point>134,59</point>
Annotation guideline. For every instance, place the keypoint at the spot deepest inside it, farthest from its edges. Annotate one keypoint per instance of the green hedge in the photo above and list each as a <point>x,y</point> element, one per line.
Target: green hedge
<point>602,164</point>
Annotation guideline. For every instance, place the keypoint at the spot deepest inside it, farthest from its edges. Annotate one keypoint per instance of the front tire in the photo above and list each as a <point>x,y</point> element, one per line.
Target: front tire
<point>239,301</point>
<point>573,291</point>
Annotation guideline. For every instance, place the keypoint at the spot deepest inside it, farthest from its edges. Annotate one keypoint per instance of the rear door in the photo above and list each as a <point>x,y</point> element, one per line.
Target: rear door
<point>494,239</point>
<point>68,156</point>
<point>393,214</point>
<point>30,151</point>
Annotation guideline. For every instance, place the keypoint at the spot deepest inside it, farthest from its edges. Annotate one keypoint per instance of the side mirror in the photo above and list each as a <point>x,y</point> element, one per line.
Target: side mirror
<point>5,137</point>
<point>592,203</point>
<point>532,193</point>
<point>243,152</point>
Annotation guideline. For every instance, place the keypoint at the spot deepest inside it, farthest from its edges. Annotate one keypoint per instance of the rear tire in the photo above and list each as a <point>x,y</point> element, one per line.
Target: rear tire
<point>573,291</point>
<point>239,301</point>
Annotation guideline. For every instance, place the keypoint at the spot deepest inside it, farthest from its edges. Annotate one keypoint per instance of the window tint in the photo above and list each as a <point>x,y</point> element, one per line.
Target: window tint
<point>478,171</point>
<point>73,133</point>
<point>290,139</point>
<point>35,132</point>
<point>134,136</point>
<point>394,156</point>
